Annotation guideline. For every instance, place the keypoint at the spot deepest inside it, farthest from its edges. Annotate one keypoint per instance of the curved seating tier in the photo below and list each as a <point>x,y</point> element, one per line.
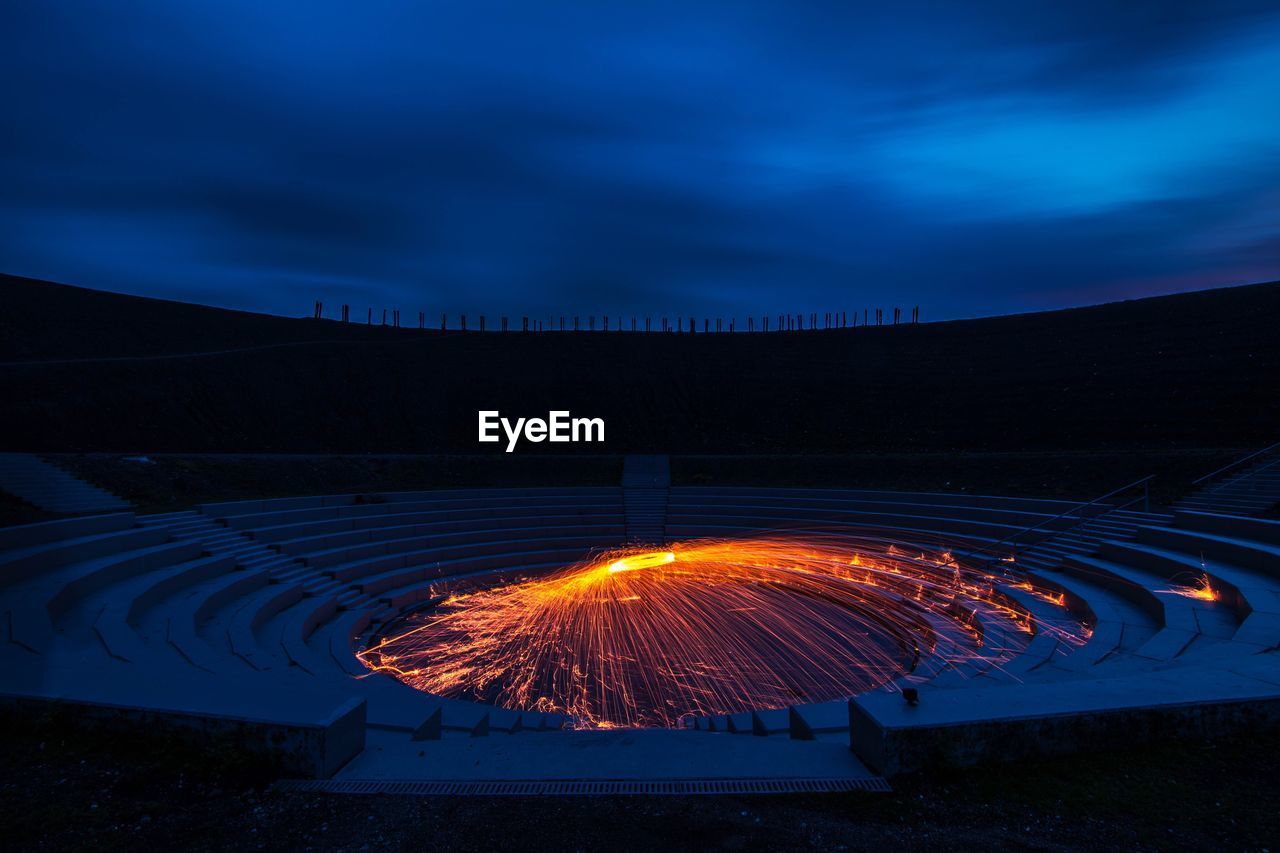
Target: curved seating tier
<point>272,595</point>
<point>1140,619</point>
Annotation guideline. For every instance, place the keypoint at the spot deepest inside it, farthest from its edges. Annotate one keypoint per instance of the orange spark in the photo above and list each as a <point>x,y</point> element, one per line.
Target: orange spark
<point>645,638</point>
<point>1201,590</point>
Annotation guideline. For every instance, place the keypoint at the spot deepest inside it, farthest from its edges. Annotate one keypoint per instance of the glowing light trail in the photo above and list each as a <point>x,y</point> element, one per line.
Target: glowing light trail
<point>1200,589</point>
<point>645,638</point>
<point>642,561</point>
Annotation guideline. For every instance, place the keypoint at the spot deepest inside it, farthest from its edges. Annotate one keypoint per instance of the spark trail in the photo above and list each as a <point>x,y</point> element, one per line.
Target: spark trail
<point>643,638</point>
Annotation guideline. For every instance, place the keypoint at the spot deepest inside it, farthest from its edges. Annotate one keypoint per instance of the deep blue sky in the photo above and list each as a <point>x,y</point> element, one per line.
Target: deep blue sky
<point>732,157</point>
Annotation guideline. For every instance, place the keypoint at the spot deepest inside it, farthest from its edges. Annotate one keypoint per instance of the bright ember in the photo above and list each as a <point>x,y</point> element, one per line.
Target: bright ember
<point>646,638</point>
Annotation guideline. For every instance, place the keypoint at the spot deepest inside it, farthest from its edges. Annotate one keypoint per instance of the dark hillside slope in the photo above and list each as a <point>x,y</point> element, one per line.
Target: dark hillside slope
<point>1197,369</point>
<point>43,320</point>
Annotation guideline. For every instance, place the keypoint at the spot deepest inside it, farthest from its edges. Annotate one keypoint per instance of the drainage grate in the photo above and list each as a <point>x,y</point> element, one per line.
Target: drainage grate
<point>555,787</point>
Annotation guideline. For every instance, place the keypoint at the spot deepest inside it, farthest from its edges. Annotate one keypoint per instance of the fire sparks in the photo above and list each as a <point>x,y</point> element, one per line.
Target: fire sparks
<point>642,561</point>
<point>644,638</point>
<point>1201,590</point>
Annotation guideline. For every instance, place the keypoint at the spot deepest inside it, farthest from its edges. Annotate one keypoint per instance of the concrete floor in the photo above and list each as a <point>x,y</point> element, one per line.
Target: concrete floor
<point>615,754</point>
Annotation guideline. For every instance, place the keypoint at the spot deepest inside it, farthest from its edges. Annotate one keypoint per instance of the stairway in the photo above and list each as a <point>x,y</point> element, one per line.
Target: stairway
<point>1119,525</point>
<point>1252,491</point>
<point>218,540</point>
<point>646,482</point>
<point>50,488</point>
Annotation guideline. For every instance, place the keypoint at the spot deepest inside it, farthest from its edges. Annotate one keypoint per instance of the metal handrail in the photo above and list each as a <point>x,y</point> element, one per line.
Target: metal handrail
<point>1240,461</point>
<point>1007,540</point>
<point>1238,479</point>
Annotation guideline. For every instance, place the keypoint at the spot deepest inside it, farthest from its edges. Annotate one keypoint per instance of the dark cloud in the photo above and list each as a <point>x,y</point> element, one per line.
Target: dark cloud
<point>568,157</point>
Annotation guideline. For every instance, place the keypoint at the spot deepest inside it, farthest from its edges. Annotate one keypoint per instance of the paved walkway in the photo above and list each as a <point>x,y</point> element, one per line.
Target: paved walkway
<point>646,484</point>
<point>650,754</point>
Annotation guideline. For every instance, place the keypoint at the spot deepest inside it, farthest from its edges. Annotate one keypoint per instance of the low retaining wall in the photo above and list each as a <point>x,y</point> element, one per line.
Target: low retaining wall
<point>887,740</point>
<point>313,748</point>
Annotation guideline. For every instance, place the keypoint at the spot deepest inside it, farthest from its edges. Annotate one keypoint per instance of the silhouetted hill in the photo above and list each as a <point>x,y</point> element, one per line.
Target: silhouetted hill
<point>1195,369</point>
<point>43,320</point>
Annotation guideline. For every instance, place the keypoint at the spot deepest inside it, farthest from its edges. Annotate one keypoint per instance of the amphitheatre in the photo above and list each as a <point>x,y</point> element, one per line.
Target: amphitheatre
<point>653,627</point>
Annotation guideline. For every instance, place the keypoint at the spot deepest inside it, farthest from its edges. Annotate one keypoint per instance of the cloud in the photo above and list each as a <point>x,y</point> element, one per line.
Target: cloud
<point>570,157</point>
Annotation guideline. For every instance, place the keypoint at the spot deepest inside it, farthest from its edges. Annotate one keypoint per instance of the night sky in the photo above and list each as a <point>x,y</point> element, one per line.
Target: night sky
<point>715,158</point>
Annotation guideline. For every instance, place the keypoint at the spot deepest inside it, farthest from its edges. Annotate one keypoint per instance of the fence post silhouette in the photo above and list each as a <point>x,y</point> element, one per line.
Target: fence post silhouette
<point>462,322</point>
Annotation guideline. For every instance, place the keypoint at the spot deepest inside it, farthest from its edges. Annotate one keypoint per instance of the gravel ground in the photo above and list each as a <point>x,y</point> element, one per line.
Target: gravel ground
<point>65,789</point>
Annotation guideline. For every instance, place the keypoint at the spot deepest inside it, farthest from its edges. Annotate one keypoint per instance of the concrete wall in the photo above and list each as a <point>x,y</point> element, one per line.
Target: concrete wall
<point>313,748</point>
<point>891,750</point>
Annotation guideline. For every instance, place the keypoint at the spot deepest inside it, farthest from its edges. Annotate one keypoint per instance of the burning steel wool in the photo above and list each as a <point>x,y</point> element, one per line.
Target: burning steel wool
<point>644,637</point>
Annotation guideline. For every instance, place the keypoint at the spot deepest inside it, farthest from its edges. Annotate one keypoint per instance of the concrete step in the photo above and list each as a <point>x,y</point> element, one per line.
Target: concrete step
<point>45,485</point>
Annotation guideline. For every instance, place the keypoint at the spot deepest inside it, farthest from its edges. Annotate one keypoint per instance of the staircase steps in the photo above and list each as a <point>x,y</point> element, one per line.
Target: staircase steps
<point>646,486</point>
<point>45,485</point>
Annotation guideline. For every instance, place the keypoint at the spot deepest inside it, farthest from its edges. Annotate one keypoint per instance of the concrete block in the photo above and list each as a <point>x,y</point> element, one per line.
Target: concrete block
<point>312,738</point>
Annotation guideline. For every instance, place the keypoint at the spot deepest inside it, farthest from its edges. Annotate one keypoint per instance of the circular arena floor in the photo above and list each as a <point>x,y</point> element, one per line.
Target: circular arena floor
<point>660,635</point>
<point>499,637</point>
